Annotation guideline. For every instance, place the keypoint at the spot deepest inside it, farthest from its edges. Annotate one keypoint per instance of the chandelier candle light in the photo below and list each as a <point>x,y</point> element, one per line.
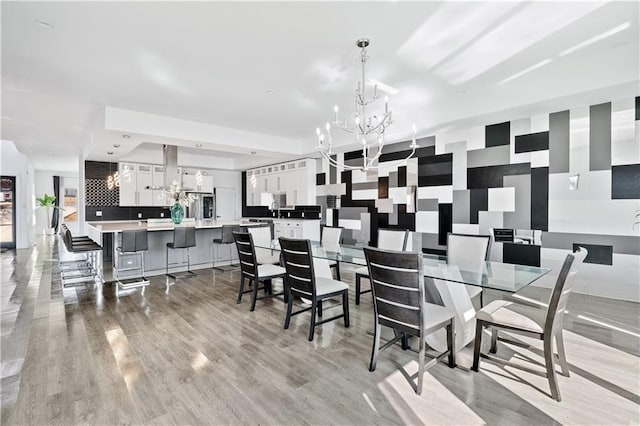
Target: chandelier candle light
<point>369,131</point>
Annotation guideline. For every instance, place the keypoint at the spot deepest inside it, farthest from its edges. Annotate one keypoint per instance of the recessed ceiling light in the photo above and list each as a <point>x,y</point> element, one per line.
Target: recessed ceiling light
<point>253,153</point>
<point>198,145</point>
<point>116,145</point>
<point>43,23</point>
<point>126,136</point>
<point>269,92</point>
<point>109,152</point>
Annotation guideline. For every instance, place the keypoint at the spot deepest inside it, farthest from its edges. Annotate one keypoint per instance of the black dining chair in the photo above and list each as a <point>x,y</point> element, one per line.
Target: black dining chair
<point>397,284</point>
<point>301,281</point>
<point>253,272</point>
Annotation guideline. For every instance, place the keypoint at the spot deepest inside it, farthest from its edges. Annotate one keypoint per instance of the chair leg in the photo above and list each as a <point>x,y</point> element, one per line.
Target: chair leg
<point>167,261</point>
<point>564,366</point>
<point>451,342</point>
<point>482,299</point>
<point>312,325</point>
<point>287,319</point>
<point>345,308</point>
<point>494,341</point>
<point>319,308</point>
<point>358,277</point>
<point>338,271</point>
<point>477,345</point>
<point>549,361</point>
<point>255,295</point>
<point>241,291</point>
<point>420,365</point>
<point>376,347</point>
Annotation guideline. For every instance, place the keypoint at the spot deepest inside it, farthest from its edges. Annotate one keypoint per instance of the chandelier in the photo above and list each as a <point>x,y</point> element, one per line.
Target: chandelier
<point>367,130</point>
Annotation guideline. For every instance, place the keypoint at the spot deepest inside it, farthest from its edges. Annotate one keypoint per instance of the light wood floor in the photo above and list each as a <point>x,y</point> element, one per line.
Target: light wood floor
<point>193,356</point>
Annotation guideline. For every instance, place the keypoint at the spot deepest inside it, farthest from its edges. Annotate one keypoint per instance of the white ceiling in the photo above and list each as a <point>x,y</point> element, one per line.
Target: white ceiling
<point>212,63</point>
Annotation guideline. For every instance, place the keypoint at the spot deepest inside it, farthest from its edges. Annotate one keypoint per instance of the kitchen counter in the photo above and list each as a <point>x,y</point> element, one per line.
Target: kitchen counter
<point>130,225</point>
<point>281,219</point>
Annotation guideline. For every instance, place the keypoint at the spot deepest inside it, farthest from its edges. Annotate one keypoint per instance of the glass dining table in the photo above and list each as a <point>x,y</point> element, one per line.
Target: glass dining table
<point>444,283</point>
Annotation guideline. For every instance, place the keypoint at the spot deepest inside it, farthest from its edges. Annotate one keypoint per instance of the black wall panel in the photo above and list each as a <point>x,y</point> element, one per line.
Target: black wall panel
<point>598,254</point>
<point>492,176</point>
<point>445,222</point>
<point>383,187</point>
<point>478,201</point>
<point>637,107</point>
<point>540,198</point>
<point>426,151</point>
<point>435,170</point>
<point>521,254</point>
<point>497,134</point>
<point>625,182</point>
<point>321,178</point>
<point>532,142</point>
<point>402,176</point>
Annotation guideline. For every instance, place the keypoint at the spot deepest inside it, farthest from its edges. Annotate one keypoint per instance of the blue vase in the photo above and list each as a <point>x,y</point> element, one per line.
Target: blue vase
<point>177,213</point>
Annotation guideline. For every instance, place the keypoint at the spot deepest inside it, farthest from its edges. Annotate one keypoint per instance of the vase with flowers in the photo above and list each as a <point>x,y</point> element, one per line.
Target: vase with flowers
<point>179,198</point>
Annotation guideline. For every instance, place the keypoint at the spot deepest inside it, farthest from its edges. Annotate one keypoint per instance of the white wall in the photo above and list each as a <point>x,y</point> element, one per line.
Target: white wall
<point>14,163</point>
<point>44,184</point>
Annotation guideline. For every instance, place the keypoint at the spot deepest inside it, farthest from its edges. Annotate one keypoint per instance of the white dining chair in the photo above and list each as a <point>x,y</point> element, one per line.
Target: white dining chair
<point>261,236</point>
<point>330,242</point>
<point>388,239</point>
<point>469,253</point>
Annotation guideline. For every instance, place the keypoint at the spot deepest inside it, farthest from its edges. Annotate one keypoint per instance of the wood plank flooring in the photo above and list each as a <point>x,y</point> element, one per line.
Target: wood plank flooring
<point>79,355</point>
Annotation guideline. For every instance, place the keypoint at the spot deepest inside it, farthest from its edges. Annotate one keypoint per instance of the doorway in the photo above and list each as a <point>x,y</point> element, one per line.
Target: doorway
<point>8,212</point>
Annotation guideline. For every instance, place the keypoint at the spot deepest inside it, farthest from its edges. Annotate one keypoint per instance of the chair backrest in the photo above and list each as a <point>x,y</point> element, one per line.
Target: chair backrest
<point>298,262</point>
<point>397,284</point>
<point>184,236</point>
<point>227,233</point>
<point>261,235</point>
<point>562,289</point>
<point>331,238</point>
<point>392,239</point>
<point>468,252</point>
<point>134,240</point>
<point>246,254</point>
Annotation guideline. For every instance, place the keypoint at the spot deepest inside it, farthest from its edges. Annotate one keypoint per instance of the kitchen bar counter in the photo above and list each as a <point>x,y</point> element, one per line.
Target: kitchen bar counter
<point>108,235</point>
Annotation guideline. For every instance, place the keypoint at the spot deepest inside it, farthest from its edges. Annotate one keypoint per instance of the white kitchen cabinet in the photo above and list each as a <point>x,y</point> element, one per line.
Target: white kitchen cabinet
<point>157,195</point>
<point>144,182</point>
<point>296,179</point>
<point>207,184</point>
<point>128,189</point>
<point>189,182</point>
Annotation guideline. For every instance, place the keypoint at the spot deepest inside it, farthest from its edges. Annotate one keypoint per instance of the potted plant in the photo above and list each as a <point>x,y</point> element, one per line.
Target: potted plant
<point>48,202</point>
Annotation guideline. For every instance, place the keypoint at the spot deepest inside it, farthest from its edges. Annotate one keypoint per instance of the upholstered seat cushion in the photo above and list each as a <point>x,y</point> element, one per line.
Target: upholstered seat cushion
<point>327,286</point>
<point>501,312</point>
<point>268,270</point>
<point>363,271</point>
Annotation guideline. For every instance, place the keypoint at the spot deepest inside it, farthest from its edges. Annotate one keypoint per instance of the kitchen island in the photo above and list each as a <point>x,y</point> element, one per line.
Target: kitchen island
<point>160,232</point>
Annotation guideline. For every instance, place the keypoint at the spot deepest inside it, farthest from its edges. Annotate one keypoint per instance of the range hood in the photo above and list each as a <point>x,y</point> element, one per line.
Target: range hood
<point>170,166</point>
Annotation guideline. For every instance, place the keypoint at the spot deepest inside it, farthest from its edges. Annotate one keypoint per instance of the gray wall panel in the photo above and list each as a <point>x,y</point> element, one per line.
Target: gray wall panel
<point>600,137</point>
<point>461,206</point>
<point>621,244</point>
<point>521,217</point>
<point>559,142</point>
<point>492,156</point>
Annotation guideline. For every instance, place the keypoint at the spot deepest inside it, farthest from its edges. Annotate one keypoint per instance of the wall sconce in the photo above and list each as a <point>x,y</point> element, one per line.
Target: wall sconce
<point>573,182</point>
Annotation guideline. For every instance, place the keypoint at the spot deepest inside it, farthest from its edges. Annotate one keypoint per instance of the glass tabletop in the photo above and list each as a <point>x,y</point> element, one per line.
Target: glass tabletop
<point>495,275</point>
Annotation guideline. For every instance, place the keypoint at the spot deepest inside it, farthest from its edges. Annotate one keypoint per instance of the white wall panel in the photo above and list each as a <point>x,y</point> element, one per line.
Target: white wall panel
<point>464,228</point>
<point>502,199</point>
<point>350,224</point>
<point>625,134</point>
<point>444,193</point>
<point>364,194</point>
<point>427,222</point>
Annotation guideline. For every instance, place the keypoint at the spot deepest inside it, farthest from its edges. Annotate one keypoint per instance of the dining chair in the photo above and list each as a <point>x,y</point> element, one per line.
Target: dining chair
<point>330,241</point>
<point>545,325</point>
<point>302,281</point>
<point>469,252</point>
<point>262,239</point>
<point>397,283</point>
<point>388,239</point>
<point>254,272</point>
